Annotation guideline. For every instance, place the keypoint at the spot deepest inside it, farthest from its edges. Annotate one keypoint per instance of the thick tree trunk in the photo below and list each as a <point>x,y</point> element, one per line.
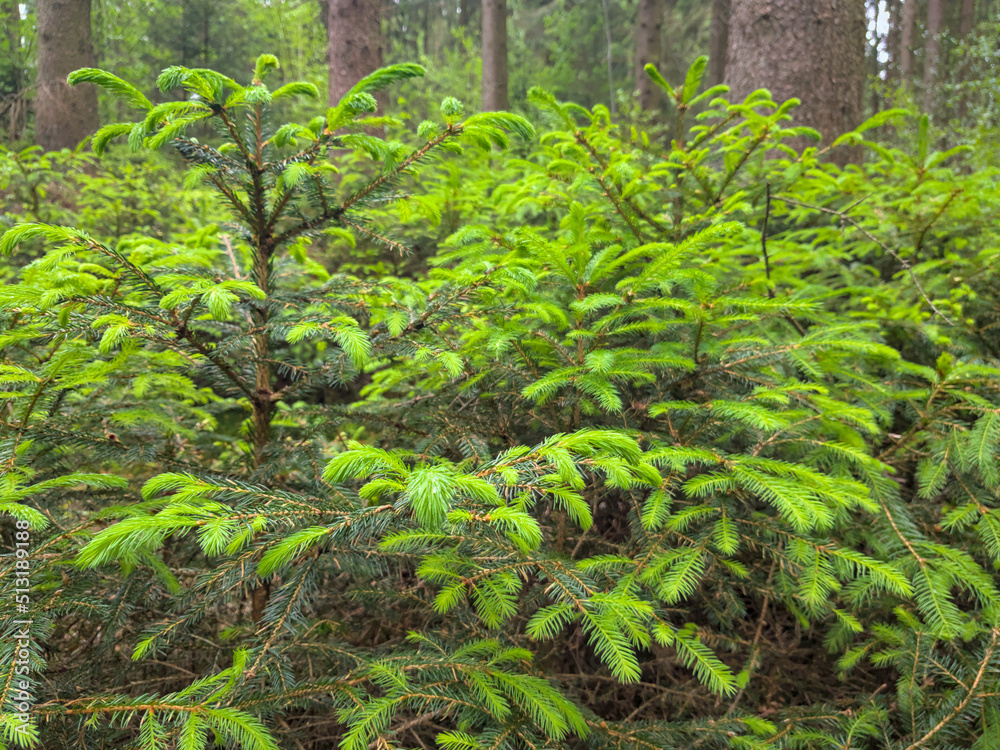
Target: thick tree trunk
<point>494,55</point>
<point>967,17</point>
<point>354,43</point>
<point>908,32</point>
<point>647,50</point>
<point>814,51</point>
<point>64,116</point>
<point>719,42</point>
<point>932,45</point>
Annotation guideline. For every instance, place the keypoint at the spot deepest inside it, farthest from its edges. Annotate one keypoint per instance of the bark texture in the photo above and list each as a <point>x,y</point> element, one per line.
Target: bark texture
<point>64,116</point>
<point>718,42</point>
<point>814,51</point>
<point>354,43</point>
<point>932,45</point>
<point>494,55</point>
<point>908,32</point>
<point>967,17</point>
<point>647,50</point>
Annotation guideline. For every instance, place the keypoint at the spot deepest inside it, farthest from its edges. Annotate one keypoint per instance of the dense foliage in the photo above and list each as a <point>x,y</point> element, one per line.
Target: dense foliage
<point>684,441</point>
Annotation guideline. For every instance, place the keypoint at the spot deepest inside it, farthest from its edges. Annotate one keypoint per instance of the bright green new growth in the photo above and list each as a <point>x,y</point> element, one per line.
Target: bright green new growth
<point>631,427</point>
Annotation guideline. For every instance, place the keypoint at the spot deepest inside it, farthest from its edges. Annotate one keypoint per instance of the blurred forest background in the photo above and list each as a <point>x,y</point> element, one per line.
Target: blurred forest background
<point>941,54</point>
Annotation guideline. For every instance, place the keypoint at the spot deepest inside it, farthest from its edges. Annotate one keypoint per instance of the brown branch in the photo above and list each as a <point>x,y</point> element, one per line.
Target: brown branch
<point>763,238</point>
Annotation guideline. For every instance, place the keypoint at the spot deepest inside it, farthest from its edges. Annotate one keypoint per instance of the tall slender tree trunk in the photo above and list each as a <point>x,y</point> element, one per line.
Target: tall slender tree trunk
<point>11,78</point>
<point>354,42</point>
<point>64,116</point>
<point>814,51</point>
<point>932,49</point>
<point>718,42</point>
<point>873,63</point>
<point>427,27</point>
<point>607,56</point>
<point>893,40</point>
<point>10,13</point>
<point>467,10</point>
<point>647,50</point>
<point>966,24</point>
<point>494,55</point>
<point>907,38</point>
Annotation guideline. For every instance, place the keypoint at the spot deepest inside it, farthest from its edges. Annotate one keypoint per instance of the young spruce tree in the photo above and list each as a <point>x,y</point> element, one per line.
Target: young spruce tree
<point>186,363</point>
<point>618,454</point>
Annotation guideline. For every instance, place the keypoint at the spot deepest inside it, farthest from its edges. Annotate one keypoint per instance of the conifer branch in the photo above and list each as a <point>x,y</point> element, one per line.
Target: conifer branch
<point>844,216</point>
<point>970,694</point>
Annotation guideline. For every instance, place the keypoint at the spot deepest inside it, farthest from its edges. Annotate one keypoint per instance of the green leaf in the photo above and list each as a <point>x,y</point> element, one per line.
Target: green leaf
<point>379,79</point>
<point>122,89</point>
<point>264,64</point>
<point>297,88</point>
<point>549,621</point>
<point>430,492</point>
<point>659,80</point>
<point>352,340</point>
<point>105,135</point>
<point>984,442</point>
<point>456,741</point>
<point>932,475</point>
<point>693,78</point>
<point>18,234</point>
<point>289,548</point>
<point>703,662</point>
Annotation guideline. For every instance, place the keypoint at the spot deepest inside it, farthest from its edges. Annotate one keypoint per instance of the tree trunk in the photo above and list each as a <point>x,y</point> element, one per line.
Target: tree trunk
<point>966,23</point>
<point>354,42</point>
<point>967,17</point>
<point>427,27</point>
<point>874,64</point>
<point>647,50</point>
<point>932,48</point>
<point>494,55</point>
<point>12,70</point>
<point>10,12</point>
<point>718,42</point>
<point>892,41</point>
<point>814,51</point>
<point>909,27</point>
<point>607,57</point>
<point>64,116</point>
